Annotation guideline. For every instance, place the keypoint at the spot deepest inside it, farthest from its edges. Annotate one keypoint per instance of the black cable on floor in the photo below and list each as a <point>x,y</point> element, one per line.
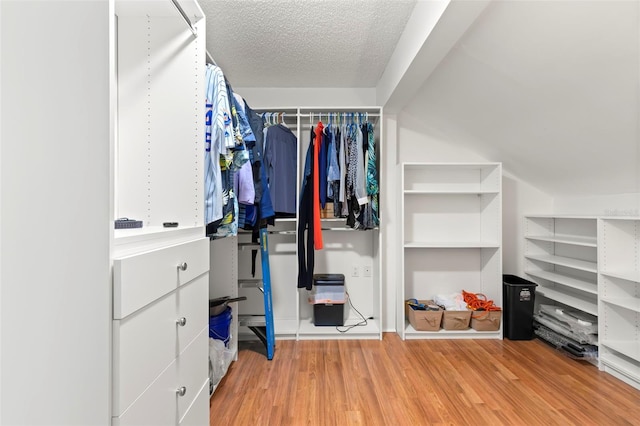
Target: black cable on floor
<point>361,323</point>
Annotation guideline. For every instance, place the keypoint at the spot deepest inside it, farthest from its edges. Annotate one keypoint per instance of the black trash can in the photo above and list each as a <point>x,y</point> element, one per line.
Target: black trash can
<point>519,296</point>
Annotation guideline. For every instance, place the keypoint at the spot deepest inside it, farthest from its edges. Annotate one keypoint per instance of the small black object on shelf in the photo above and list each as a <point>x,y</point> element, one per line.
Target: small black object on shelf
<point>126,223</point>
<point>170,224</point>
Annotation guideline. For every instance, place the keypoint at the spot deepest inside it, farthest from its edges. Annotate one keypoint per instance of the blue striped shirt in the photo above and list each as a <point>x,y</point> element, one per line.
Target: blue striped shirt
<point>218,137</point>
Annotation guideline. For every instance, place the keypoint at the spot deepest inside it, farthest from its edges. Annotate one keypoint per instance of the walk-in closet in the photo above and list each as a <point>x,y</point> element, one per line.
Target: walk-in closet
<point>319,212</point>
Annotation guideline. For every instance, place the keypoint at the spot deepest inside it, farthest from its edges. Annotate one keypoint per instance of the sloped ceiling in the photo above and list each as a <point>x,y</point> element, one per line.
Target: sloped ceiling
<point>550,88</point>
<point>304,43</point>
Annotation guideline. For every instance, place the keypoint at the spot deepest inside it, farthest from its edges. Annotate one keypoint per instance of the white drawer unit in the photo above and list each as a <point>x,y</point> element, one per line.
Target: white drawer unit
<point>160,334</point>
<point>142,278</point>
<point>175,392</point>
<point>145,342</point>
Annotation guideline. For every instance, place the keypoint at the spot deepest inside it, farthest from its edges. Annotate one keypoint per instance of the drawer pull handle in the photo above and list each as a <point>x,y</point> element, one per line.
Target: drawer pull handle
<point>183,266</point>
<point>181,321</point>
<point>181,391</point>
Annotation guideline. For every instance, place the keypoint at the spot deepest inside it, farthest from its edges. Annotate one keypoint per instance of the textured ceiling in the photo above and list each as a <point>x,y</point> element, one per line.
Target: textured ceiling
<point>304,43</point>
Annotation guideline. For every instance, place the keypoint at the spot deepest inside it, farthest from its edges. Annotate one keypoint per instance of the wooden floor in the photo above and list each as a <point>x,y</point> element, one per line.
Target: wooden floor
<point>419,382</point>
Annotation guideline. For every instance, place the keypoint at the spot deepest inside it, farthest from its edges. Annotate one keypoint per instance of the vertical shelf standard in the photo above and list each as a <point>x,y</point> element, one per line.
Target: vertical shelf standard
<point>619,291</point>
<point>160,275</point>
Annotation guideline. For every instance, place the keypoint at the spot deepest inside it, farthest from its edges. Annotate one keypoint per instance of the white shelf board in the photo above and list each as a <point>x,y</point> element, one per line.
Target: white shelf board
<point>582,265</point>
<point>620,218</point>
<point>124,236</point>
<point>451,166</point>
<point>621,368</point>
<point>555,216</point>
<point>411,333</point>
<point>447,192</point>
<point>631,303</point>
<point>128,241</point>
<point>573,240</point>
<point>628,348</point>
<point>578,284</point>
<point>633,276</point>
<point>569,300</point>
<point>285,219</point>
<point>309,331</point>
<point>451,244</point>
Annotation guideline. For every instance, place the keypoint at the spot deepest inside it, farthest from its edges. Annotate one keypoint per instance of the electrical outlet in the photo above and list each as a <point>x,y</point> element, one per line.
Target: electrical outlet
<point>354,271</point>
<point>366,271</point>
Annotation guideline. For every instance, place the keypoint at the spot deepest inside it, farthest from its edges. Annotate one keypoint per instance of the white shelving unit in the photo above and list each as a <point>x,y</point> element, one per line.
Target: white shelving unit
<point>619,291</point>
<point>223,282</point>
<point>120,134</point>
<point>561,257</point>
<point>451,230</point>
<point>161,275</point>
<point>354,253</point>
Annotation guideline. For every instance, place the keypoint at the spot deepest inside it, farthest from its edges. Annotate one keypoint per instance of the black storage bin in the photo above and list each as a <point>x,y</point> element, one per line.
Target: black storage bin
<point>330,297</point>
<point>519,297</point>
<point>328,314</point>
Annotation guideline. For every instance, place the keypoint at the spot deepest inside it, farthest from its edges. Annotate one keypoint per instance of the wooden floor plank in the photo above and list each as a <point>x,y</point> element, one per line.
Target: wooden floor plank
<point>418,382</point>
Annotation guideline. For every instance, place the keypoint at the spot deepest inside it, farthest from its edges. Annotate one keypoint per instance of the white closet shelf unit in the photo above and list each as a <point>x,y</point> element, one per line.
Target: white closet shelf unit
<point>619,303</point>
<point>451,215</point>
<point>160,275</point>
<point>344,252</point>
<point>351,253</point>
<point>561,257</point>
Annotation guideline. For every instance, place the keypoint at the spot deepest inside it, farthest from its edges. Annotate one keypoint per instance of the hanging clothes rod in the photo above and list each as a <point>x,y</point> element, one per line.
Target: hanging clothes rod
<point>185,17</point>
<point>317,114</point>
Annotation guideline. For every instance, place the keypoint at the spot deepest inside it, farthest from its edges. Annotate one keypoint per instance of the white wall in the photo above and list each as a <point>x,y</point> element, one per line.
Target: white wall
<point>550,88</point>
<point>600,205</point>
<point>55,211</point>
<point>396,83</point>
<point>519,198</point>
<point>415,140</point>
<point>270,97</point>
